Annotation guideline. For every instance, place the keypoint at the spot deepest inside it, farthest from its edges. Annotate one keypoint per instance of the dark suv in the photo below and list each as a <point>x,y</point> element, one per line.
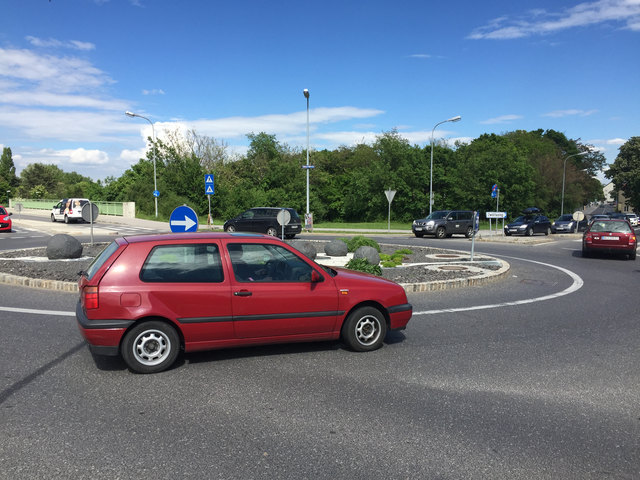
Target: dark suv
<point>264,220</point>
<point>444,223</point>
<point>529,223</point>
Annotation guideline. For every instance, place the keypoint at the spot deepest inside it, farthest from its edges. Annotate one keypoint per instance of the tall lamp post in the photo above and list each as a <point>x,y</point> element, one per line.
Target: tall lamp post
<point>305,92</point>
<point>452,119</point>
<point>153,133</point>
<point>564,171</point>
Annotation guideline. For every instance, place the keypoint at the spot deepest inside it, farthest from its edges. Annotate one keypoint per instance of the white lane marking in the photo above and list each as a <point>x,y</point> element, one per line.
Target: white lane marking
<point>576,285</point>
<point>38,312</point>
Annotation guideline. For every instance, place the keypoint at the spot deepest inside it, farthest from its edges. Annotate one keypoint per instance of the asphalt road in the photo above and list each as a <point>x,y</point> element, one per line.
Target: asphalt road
<point>535,376</point>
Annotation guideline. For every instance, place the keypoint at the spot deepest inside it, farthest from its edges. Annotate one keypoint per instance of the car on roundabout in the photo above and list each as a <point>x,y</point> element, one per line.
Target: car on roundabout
<point>444,224</point>
<point>5,220</point>
<point>529,223</point>
<point>633,219</point>
<point>610,236</point>
<point>265,220</point>
<point>148,297</point>
<point>566,224</point>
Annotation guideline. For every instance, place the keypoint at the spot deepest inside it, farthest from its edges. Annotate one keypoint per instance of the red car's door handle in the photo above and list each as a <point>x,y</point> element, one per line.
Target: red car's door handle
<point>242,293</point>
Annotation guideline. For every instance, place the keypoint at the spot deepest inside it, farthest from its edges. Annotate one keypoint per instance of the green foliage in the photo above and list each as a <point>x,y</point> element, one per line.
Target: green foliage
<point>625,171</point>
<point>362,265</point>
<point>358,241</point>
<point>347,183</point>
<point>397,258</point>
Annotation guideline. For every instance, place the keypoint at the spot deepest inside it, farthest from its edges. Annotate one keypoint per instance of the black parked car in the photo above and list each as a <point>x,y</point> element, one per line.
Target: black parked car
<point>529,223</point>
<point>264,220</point>
<point>444,223</point>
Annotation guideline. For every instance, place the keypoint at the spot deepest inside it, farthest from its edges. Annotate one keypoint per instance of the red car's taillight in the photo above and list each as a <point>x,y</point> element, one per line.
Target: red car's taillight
<point>587,238</point>
<point>632,239</point>
<point>90,297</point>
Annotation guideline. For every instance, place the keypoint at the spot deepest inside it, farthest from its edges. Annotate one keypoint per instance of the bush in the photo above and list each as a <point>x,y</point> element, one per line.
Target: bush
<point>358,241</point>
<point>396,259</point>
<point>362,265</point>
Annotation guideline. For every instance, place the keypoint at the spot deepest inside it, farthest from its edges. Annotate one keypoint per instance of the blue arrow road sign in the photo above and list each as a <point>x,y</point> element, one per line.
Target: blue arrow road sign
<point>183,219</point>
<point>156,193</point>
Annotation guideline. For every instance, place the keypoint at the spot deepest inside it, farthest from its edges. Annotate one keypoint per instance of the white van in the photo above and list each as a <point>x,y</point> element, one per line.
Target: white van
<point>68,210</point>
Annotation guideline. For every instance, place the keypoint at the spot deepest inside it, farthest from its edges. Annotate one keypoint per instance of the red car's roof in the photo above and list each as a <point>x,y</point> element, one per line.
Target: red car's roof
<point>172,237</point>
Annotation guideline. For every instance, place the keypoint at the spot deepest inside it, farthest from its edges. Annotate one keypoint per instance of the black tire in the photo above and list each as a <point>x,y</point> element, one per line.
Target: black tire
<point>230,229</point>
<point>528,232</point>
<point>66,219</point>
<point>150,347</point>
<point>272,231</point>
<point>585,253</point>
<point>441,232</point>
<point>548,231</point>
<point>632,256</point>
<point>53,218</point>
<point>508,234</point>
<point>469,232</point>
<point>364,329</point>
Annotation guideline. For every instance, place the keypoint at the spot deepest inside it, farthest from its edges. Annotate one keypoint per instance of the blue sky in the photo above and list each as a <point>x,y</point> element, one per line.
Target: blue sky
<point>69,69</point>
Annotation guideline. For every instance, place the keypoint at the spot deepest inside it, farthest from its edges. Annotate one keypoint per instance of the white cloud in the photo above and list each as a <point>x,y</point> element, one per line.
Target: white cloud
<point>49,72</point>
<point>277,124</point>
<point>540,22</point>
<point>155,91</point>
<point>52,42</point>
<point>85,157</point>
<point>570,112</point>
<point>501,119</point>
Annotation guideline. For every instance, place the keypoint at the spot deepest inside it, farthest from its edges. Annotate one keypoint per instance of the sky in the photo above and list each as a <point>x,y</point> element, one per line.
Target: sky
<point>69,69</point>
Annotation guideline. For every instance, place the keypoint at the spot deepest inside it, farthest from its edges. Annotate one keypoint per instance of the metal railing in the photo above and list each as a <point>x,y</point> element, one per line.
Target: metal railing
<point>106,208</point>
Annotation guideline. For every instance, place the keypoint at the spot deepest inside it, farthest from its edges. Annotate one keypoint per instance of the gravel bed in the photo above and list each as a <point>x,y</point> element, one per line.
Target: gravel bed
<point>32,263</point>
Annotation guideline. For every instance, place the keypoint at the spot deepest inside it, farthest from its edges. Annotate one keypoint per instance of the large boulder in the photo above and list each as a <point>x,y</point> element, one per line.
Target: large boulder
<point>63,246</point>
<point>306,248</point>
<point>336,248</point>
<point>369,253</point>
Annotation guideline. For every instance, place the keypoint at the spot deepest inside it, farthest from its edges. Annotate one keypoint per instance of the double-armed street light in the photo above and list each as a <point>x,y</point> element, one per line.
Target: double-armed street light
<point>452,119</point>
<point>564,170</point>
<point>153,133</point>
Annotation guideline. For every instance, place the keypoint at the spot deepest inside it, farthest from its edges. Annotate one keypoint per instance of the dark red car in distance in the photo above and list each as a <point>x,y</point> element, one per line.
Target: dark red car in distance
<point>147,297</point>
<point>610,236</point>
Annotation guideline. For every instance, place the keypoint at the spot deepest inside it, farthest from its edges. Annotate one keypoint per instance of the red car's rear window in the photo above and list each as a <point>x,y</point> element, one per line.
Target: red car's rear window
<point>101,259</point>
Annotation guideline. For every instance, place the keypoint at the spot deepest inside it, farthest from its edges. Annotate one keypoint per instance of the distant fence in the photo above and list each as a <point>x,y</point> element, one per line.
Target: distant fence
<point>121,209</point>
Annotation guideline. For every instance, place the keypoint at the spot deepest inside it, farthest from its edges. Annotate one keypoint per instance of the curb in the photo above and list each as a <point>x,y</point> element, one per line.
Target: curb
<point>460,282</point>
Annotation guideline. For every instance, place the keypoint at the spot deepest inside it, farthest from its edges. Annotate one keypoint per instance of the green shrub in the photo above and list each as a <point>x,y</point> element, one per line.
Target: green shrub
<point>362,265</point>
<point>358,241</point>
<point>389,263</point>
<point>404,251</point>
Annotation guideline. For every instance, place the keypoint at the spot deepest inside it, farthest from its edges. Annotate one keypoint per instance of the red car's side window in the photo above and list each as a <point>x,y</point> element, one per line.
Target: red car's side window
<point>197,263</point>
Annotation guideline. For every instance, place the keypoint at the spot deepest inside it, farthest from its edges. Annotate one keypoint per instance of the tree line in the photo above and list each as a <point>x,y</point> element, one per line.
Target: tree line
<point>346,183</point>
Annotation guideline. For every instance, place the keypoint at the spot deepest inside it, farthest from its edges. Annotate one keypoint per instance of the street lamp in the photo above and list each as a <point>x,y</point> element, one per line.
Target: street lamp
<point>452,119</point>
<point>564,170</point>
<point>153,133</point>
<point>305,92</point>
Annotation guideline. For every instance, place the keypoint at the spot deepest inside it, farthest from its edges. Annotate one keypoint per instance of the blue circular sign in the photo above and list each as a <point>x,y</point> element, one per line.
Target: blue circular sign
<point>183,219</point>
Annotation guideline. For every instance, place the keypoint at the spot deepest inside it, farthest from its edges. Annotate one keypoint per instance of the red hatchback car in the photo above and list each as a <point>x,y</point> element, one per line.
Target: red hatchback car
<point>5,220</point>
<point>147,297</point>
<point>610,236</point>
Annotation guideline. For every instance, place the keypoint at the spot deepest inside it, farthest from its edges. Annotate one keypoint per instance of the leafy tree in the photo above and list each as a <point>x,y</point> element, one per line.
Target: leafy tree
<point>42,175</point>
<point>625,171</point>
<point>8,178</point>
